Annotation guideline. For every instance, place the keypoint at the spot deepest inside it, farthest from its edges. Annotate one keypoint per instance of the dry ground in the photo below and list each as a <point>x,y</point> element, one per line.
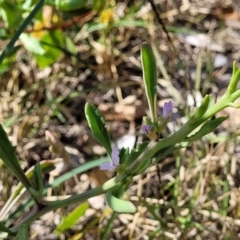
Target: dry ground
<point>193,193</point>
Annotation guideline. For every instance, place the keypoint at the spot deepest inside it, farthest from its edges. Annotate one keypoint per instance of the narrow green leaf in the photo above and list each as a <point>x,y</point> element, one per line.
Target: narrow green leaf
<point>85,167</point>
<point>150,78</point>
<point>46,166</point>
<point>59,180</point>
<point>22,233</point>
<point>234,79</point>
<point>207,128</point>
<point>72,218</point>
<point>72,49</point>
<point>98,127</point>
<point>51,43</point>
<point>21,29</point>
<point>7,154</point>
<point>200,111</point>
<point>37,172</point>
<point>31,44</point>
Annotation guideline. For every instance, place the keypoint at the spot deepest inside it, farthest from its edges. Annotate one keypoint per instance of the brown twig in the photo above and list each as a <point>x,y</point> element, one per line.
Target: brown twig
<point>154,8</point>
<point>66,25</point>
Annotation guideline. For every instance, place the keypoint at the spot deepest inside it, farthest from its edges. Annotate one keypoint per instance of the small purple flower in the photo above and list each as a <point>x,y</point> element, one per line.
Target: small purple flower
<point>167,109</point>
<point>146,129</point>
<point>115,156</point>
<point>107,166</point>
<point>110,166</point>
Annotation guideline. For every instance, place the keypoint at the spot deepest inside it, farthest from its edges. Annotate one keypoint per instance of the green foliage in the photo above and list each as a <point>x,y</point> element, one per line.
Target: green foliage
<point>83,168</point>
<point>48,48</point>
<point>97,125</point>
<point>150,78</point>
<point>22,233</point>
<point>135,152</point>
<point>4,229</point>
<point>119,205</point>
<point>46,166</point>
<point>11,14</point>
<point>72,218</point>
<point>21,29</point>
<point>50,42</point>
<point>72,49</point>
<point>7,154</point>
<point>37,173</point>
<point>200,111</point>
<point>234,79</point>
<point>32,44</point>
<point>207,128</point>
<point>70,5</point>
<point>98,4</point>
<point>143,166</point>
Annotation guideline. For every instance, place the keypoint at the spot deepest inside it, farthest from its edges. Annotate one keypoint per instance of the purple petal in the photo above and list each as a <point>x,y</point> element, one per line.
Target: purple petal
<point>167,109</point>
<point>107,166</point>
<point>146,129</point>
<point>115,156</point>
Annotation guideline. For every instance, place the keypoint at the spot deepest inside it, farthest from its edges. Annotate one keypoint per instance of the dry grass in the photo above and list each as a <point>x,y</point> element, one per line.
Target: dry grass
<point>192,194</point>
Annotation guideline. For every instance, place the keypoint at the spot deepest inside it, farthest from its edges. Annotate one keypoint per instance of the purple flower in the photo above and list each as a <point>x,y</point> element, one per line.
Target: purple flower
<point>167,109</point>
<point>115,156</point>
<point>110,166</point>
<point>146,129</point>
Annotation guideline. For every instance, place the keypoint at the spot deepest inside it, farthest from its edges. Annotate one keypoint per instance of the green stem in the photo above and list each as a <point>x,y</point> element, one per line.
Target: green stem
<point>184,131</point>
<point>153,147</point>
<point>21,29</point>
<point>51,206</point>
<point>107,229</point>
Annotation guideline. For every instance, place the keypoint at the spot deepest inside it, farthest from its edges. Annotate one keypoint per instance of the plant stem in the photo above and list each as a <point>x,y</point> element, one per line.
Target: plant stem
<point>51,206</point>
<point>184,131</point>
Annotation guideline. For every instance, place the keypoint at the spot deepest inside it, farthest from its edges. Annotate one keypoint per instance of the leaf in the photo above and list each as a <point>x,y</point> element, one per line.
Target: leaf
<point>119,205</point>
<point>150,78</point>
<point>97,125</point>
<point>207,128</point>
<point>134,154</point>
<point>51,43</point>
<point>200,111</point>
<point>72,218</point>
<point>72,49</point>
<point>38,178</point>
<point>59,180</point>
<point>82,168</point>
<point>124,155</point>
<point>98,4</point>
<point>11,14</point>
<point>46,166</point>
<point>234,79</point>
<point>22,233</point>
<point>31,44</point>
<point>7,154</point>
